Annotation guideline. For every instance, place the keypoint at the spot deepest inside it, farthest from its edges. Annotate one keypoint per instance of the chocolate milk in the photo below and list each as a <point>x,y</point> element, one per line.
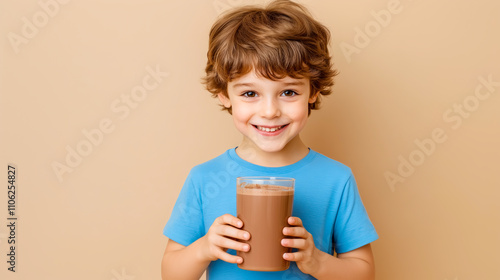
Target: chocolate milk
<point>264,210</point>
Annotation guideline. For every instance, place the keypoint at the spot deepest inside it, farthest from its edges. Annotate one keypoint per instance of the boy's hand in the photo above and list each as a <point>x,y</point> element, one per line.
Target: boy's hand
<point>307,257</point>
<point>222,235</point>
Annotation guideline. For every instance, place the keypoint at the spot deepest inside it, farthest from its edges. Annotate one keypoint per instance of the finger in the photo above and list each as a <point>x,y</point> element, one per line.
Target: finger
<point>295,231</point>
<point>228,257</point>
<point>295,221</point>
<point>298,243</point>
<point>228,243</point>
<point>230,231</point>
<point>296,257</point>
<point>230,220</point>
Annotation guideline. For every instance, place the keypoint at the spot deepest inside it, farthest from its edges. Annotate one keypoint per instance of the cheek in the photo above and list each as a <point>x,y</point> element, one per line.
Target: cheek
<point>241,114</point>
<point>299,113</point>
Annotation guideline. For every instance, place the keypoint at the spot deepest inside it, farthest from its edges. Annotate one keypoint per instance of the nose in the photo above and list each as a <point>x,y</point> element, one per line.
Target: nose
<point>270,108</point>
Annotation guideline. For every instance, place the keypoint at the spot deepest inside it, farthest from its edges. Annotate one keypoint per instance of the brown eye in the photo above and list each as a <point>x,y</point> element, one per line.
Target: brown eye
<point>289,93</point>
<point>249,94</point>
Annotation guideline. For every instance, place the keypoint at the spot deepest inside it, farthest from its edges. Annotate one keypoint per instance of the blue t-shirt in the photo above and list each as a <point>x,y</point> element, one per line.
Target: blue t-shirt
<point>326,199</point>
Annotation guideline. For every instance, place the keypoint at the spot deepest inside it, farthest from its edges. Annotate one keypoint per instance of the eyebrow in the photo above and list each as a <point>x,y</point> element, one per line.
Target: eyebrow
<point>298,83</point>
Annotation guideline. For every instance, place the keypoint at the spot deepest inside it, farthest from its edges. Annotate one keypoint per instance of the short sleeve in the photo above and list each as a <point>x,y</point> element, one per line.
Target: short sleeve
<point>186,221</point>
<point>352,227</point>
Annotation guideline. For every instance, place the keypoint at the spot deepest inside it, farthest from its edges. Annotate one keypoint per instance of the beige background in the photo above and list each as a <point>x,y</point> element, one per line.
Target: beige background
<point>65,68</point>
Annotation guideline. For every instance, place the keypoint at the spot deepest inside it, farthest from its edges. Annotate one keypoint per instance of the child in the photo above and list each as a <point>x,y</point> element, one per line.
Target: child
<point>269,67</point>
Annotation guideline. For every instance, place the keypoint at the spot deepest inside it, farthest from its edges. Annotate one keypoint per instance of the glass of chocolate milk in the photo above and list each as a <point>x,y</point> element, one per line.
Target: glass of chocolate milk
<point>264,205</point>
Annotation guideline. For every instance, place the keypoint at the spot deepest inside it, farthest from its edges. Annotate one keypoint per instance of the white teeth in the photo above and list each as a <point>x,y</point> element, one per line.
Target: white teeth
<point>267,129</point>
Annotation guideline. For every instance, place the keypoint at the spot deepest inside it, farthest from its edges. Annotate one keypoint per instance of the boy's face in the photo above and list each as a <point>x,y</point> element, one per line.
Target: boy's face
<point>270,114</point>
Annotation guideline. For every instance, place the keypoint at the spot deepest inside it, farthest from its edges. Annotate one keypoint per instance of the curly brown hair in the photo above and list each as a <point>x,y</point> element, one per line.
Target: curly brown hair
<point>279,40</point>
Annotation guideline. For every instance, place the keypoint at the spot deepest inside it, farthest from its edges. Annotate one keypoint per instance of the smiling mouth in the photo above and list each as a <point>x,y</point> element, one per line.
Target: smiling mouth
<point>269,129</point>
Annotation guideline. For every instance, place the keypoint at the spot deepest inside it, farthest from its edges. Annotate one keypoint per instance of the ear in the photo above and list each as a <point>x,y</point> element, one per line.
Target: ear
<point>313,97</point>
<point>224,100</point>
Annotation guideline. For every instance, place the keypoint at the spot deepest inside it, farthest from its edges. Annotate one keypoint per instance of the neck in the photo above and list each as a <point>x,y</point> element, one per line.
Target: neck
<point>294,151</point>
